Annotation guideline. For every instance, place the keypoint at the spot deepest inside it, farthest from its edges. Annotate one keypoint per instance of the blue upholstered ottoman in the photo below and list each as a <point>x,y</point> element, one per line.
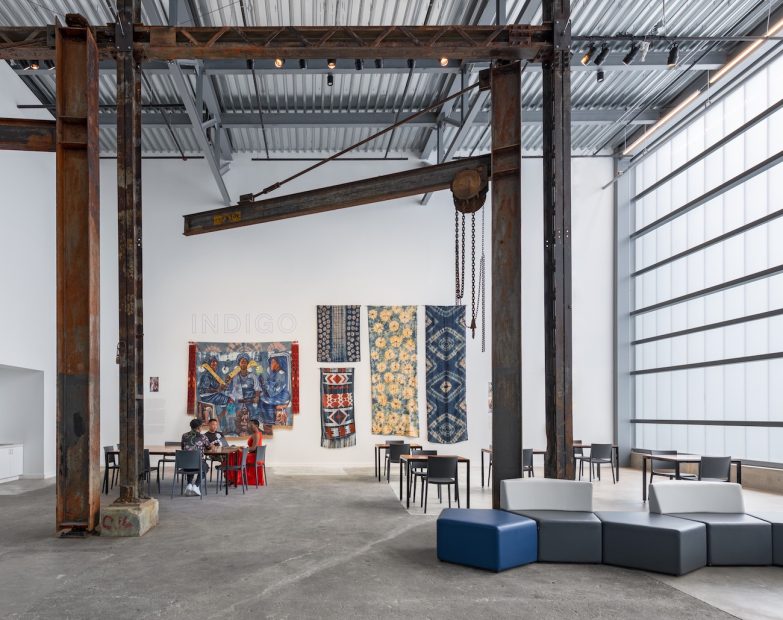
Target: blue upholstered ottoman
<point>491,539</point>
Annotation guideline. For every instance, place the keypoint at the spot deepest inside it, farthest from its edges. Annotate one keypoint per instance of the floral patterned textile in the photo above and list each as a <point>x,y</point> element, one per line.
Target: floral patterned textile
<point>395,409</point>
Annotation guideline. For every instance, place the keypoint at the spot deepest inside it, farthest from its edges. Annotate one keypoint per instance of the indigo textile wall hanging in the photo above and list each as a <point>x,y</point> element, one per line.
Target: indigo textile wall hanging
<point>338,334</point>
<point>395,410</point>
<point>238,382</point>
<point>338,425</point>
<point>447,417</point>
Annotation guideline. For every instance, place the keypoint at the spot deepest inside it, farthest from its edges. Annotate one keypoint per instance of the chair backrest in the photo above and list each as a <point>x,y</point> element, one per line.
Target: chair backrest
<point>715,467</point>
<point>527,457</point>
<point>392,442</point>
<point>422,464</point>
<point>172,443</point>
<point>601,451</point>
<point>442,467</point>
<point>546,494</point>
<point>663,464</point>
<point>187,459</point>
<point>147,465</point>
<point>398,449</point>
<point>578,449</point>
<point>428,452</point>
<point>108,455</point>
<point>244,457</point>
<point>675,496</point>
<point>260,454</point>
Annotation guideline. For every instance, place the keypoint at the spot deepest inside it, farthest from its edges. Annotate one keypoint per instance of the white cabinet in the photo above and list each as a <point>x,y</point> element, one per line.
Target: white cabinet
<point>11,461</point>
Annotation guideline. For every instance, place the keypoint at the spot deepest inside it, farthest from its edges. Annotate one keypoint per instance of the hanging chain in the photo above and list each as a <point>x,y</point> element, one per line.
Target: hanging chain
<point>457,290</point>
<point>473,274</point>
<point>462,290</point>
<point>483,289</point>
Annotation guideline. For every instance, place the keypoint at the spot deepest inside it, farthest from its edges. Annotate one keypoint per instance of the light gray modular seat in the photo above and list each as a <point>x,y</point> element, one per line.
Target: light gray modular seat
<point>775,519</point>
<point>733,537</point>
<point>653,542</point>
<point>568,531</point>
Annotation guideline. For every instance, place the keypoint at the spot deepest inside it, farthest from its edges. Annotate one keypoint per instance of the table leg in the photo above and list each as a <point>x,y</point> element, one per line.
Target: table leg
<point>677,470</point>
<point>467,464</point>
<point>408,484</point>
<point>644,478</point>
<point>482,469</point>
<point>400,479</point>
<point>739,472</point>
<point>617,462</point>
<point>377,462</point>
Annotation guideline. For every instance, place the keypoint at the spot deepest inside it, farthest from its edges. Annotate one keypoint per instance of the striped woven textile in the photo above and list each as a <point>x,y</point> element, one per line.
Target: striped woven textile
<point>338,424</point>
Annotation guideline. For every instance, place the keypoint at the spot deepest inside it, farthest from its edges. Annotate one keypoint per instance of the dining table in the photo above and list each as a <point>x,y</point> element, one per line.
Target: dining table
<point>385,446</point>
<point>677,460</point>
<point>536,452</point>
<point>407,459</point>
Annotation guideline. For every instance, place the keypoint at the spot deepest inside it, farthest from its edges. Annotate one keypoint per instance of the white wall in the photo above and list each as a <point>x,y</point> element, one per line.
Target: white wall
<point>22,413</point>
<point>398,252</point>
<point>27,275</point>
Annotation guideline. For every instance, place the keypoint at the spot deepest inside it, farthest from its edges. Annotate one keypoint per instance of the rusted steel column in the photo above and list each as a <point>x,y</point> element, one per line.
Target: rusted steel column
<point>131,351</point>
<point>78,299</point>
<point>506,80</point>
<point>557,244</point>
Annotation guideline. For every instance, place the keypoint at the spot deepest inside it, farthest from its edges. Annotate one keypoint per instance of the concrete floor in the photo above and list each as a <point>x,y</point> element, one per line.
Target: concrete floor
<point>333,546</point>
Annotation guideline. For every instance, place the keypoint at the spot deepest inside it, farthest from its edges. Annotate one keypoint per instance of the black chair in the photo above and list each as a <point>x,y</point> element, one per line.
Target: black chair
<point>391,442</point>
<point>715,468</point>
<point>110,465</point>
<point>167,459</point>
<point>240,468</point>
<point>393,454</point>
<point>527,463</point>
<point>419,468</point>
<point>579,456</point>
<point>441,470</point>
<point>600,453</point>
<point>260,462</point>
<point>146,473</point>
<point>188,462</point>
<point>662,468</point>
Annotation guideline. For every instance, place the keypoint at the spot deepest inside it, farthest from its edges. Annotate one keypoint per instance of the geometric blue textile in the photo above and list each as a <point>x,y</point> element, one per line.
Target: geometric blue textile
<point>447,417</point>
<point>490,539</point>
<point>338,334</point>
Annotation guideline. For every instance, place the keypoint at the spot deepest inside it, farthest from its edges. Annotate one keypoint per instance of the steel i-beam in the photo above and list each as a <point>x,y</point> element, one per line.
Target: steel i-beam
<point>78,281</point>
<point>506,84</point>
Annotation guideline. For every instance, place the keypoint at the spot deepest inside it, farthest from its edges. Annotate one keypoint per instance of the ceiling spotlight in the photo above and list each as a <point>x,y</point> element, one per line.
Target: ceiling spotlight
<point>279,63</point>
<point>331,63</point>
<point>302,63</point>
<point>599,77</point>
<point>379,63</point>
<point>34,65</point>
<point>599,60</point>
<point>674,52</point>
<point>329,79</point>
<point>631,54</point>
<point>588,55</point>
<point>359,64</point>
<point>444,62</point>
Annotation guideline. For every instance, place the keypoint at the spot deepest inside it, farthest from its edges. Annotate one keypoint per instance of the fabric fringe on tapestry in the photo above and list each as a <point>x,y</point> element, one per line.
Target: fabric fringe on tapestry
<point>340,442</point>
<point>294,377</point>
<point>192,349</point>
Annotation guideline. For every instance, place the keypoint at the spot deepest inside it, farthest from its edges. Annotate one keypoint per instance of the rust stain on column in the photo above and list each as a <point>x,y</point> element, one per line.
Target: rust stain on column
<point>78,278</point>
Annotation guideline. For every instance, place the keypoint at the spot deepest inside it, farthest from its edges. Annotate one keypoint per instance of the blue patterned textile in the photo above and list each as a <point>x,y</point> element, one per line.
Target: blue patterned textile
<point>338,334</point>
<point>447,416</point>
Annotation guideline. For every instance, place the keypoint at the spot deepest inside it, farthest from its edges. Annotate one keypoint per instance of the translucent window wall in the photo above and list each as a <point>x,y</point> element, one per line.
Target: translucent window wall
<point>708,280</point>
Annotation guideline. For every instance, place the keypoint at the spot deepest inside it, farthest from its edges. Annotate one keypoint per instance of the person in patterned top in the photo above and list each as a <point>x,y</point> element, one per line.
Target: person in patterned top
<point>194,440</point>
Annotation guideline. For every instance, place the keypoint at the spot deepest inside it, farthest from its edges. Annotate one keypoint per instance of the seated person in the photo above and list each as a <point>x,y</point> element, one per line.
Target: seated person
<point>215,437</point>
<point>194,440</point>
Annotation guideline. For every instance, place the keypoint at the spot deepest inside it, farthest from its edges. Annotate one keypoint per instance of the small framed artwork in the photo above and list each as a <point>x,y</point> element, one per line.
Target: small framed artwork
<point>154,384</point>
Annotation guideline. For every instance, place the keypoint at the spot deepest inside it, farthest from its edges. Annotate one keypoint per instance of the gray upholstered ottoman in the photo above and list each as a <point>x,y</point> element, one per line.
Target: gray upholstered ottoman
<point>734,539</point>
<point>653,542</point>
<point>776,520</point>
<point>566,535</point>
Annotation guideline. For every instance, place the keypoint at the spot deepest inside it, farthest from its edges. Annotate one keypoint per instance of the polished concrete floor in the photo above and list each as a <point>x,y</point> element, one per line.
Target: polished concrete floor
<point>333,546</point>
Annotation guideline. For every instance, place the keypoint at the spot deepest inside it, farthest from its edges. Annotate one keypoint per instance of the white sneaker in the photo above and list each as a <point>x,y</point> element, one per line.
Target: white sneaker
<point>195,490</point>
<point>189,490</point>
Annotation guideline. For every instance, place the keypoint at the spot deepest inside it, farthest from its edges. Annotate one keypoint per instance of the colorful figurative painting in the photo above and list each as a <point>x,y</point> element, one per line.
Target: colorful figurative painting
<point>395,409</point>
<point>236,382</point>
